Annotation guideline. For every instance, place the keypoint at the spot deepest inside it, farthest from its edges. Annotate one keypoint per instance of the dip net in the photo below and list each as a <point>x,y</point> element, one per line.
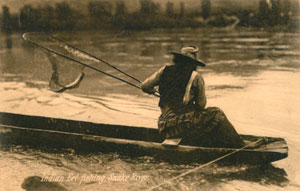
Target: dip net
<point>67,62</point>
<point>64,75</point>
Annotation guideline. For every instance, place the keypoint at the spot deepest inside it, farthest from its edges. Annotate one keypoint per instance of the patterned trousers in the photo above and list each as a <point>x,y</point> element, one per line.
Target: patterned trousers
<point>208,127</point>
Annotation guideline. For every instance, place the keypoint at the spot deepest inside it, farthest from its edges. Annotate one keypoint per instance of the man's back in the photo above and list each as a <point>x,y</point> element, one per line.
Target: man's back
<point>172,86</point>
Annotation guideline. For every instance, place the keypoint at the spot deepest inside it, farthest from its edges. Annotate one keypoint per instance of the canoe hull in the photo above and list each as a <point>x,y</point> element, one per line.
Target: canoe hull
<point>87,137</point>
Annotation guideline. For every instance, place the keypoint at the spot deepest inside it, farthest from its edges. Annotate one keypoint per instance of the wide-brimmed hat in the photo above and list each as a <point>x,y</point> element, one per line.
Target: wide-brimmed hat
<point>189,54</point>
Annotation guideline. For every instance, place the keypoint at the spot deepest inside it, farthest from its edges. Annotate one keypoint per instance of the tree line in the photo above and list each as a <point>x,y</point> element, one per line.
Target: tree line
<point>150,15</point>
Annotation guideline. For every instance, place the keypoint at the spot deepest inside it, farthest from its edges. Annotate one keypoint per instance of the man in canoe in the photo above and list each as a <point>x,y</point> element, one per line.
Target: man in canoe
<point>182,103</point>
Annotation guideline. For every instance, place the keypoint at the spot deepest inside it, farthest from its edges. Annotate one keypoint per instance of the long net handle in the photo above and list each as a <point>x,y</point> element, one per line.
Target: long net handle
<point>91,67</point>
<point>94,68</point>
<point>99,59</point>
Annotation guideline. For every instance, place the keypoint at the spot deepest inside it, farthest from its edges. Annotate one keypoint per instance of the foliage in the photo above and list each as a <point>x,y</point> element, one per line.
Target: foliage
<point>105,14</point>
<point>6,27</point>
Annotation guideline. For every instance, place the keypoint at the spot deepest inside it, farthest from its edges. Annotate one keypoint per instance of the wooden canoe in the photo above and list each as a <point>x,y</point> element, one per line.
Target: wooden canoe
<point>132,141</point>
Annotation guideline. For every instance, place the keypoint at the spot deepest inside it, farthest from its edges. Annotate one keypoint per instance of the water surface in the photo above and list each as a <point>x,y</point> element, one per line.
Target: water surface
<point>252,75</point>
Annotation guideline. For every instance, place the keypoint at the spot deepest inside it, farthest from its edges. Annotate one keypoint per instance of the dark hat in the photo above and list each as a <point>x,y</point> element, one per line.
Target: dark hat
<point>189,54</point>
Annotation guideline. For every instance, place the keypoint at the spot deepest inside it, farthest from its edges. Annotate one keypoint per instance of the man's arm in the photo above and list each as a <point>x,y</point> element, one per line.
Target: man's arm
<point>200,86</point>
<point>149,84</point>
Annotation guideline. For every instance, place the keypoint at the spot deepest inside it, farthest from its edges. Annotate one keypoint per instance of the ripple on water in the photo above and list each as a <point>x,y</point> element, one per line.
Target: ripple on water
<point>263,65</point>
<point>125,173</point>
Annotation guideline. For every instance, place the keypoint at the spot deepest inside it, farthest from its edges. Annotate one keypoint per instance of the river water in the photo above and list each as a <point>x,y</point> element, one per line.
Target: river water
<point>253,75</point>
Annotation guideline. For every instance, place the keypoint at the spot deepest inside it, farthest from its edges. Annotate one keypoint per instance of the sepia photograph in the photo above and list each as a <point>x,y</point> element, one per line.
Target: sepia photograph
<point>149,95</point>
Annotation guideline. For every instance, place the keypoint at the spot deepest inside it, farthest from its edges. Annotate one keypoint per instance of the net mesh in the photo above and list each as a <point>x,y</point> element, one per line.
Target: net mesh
<point>66,74</point>
<point>61,54</point>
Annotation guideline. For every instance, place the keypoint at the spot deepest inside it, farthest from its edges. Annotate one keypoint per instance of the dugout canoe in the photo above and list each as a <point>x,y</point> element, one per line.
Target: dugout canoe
<point>88,137</point>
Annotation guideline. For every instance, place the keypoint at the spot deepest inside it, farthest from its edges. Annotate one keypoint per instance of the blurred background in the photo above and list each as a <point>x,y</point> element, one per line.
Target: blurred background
<point>50,15</point>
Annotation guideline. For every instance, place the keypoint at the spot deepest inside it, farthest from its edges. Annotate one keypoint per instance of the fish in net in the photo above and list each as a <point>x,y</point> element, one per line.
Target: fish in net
<point>64,75</point>
<point>67,72</point>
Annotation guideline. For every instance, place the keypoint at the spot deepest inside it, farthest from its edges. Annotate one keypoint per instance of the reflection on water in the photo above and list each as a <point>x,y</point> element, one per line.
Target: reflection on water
<point>238,53</point>
<point>252,75</point>
<point>8,42</point>
<point>59,164</point>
